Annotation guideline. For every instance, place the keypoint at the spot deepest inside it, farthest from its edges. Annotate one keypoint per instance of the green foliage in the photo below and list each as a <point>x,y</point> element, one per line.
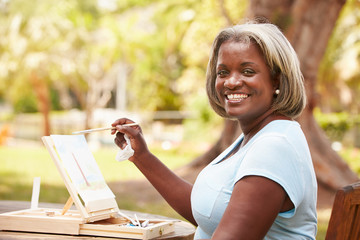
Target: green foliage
<point>66,40</point>
<point>338,74</point>
<point>55,102</point>
<point>22,97</point>
<point>352,157</point>
<point>76,46</point>
<point>205,124</point>
<point>155,58</point>
<point>160,41</point>
<point>335,125</point>
<point>26,104</point>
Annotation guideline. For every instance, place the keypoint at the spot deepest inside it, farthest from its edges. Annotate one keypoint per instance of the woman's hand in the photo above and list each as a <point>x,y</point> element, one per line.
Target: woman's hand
<point>135,135</point>
<point>174,189</point>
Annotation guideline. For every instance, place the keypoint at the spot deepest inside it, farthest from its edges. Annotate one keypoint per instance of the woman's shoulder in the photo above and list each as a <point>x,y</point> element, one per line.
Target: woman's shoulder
<point>280,134</point>
<point>282,125</point>
<point>279,128</point>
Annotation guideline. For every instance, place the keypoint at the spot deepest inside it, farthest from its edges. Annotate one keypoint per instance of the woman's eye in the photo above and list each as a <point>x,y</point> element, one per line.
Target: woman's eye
<point>248,71</point>
<point>221,73</point>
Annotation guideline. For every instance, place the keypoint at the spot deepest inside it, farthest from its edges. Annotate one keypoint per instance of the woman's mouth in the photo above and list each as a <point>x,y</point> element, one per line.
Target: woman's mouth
<point>236,96</point>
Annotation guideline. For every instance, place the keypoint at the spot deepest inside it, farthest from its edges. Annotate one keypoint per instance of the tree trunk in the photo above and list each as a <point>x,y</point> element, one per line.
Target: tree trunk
<point>230,132</point>
<point>308,25</point>
<point>307,31</point>
<point>42,95</point>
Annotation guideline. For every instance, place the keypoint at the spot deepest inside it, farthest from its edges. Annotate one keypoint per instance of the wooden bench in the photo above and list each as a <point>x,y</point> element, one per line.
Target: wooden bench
<point>345,216</point>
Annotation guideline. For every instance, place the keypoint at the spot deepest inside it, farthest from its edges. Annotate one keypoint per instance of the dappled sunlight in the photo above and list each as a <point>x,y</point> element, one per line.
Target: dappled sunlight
<point>67,66</point>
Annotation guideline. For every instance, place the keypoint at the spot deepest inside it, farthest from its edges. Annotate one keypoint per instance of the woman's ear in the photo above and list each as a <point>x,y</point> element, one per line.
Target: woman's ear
<point>276,82</point>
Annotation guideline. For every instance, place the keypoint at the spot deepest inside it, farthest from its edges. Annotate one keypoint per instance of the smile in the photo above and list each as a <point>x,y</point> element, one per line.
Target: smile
<point>237,97</point>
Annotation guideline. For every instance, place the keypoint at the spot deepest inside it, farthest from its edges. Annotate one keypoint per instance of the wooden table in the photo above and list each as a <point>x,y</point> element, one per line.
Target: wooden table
<point>183,230</point>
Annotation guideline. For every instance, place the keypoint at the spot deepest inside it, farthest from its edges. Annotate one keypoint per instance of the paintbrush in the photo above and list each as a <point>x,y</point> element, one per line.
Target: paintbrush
<point>102,129</point>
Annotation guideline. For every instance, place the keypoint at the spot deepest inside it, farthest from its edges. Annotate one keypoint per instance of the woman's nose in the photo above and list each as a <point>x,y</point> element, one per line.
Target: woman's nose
<point>232,82</point>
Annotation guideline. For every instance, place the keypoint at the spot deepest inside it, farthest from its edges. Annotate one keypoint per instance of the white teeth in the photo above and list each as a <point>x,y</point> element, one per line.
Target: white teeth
<point>237,96</point>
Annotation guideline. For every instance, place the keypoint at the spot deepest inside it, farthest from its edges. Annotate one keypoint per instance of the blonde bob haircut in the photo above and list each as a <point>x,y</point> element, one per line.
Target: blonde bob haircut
<point>280,58</point>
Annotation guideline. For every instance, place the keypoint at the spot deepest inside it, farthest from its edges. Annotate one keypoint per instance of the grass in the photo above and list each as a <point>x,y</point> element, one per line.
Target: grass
<point>323,222</point>
<point>19,165</point>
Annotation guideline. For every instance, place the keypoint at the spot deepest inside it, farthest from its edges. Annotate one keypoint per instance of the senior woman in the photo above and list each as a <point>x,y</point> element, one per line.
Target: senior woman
<point>263,186</point>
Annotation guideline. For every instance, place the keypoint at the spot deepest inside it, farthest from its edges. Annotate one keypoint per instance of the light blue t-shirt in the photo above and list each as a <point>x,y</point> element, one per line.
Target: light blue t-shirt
<point>279,152</point>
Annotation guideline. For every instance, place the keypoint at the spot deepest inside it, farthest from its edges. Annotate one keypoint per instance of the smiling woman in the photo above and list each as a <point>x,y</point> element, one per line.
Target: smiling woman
<point>278,55</point>
<point>269,182</point>
<point>244,85</point>
<point>263,186</point>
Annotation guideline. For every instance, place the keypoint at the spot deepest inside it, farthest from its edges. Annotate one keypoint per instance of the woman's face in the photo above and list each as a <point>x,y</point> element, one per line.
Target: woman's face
<point>243,83</point>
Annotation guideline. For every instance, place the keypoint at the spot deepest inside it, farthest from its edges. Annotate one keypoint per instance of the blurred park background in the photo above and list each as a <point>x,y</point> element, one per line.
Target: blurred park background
<point>70,65</point>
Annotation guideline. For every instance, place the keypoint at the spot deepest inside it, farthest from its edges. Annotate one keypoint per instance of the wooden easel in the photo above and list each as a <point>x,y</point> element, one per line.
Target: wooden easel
<point>98,218</point>
<point>67,206</point>
<point>95,210</point>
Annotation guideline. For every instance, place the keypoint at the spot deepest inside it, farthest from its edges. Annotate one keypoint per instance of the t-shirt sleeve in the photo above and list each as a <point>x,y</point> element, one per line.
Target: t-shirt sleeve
<point>275,158</point>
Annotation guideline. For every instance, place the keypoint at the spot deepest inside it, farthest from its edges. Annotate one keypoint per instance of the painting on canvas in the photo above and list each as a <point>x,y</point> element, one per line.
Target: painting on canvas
<point>81,167</point>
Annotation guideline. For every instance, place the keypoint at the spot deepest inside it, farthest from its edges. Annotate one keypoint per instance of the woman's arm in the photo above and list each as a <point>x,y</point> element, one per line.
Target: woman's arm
<point>174,189</point>
<point>253,207</point>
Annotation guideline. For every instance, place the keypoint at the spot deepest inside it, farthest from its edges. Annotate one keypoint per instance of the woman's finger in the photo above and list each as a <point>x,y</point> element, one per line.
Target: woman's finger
<point>120,121</point>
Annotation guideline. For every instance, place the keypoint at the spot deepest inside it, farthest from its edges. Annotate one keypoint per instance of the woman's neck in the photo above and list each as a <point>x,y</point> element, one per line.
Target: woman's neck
<point>249,130</point>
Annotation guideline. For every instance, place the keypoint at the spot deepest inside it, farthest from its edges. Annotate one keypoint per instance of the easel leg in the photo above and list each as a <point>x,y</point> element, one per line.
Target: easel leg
<point>67,206</point>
